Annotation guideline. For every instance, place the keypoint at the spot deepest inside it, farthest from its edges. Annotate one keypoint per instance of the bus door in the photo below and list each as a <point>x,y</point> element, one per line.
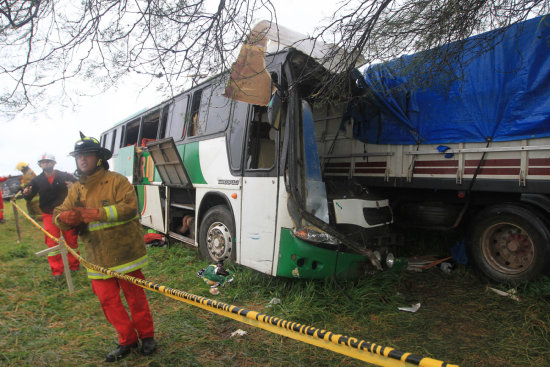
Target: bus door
<point>155,212</point>
<point>259,194</point>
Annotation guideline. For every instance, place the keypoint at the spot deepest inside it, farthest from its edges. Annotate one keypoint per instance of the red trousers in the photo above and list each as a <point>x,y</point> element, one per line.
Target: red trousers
<point>108,292</point>
<point>1,205</point>
<point>54,257</point>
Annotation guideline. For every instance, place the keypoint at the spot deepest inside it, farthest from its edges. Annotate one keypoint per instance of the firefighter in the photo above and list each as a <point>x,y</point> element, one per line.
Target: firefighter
<point>52,187</point>
<point>103,204</point>
<point>32,205</point>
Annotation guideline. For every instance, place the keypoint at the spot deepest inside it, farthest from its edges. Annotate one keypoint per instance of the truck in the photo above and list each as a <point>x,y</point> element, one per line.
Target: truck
<point>466,149</point>
<point>266,167</point>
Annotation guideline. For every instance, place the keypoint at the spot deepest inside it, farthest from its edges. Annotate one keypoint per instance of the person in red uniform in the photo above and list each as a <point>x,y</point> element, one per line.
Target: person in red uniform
<point>103,205</point>
<point>52,186</point>
<point>2,221</point>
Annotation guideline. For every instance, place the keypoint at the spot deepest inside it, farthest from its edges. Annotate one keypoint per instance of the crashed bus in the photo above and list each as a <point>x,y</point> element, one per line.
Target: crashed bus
<point>231,166</point>
<point>268,168</point>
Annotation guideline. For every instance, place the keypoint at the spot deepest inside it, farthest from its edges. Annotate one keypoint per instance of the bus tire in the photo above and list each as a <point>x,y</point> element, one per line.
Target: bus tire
<point>217,235</point>
<point>508,244</point>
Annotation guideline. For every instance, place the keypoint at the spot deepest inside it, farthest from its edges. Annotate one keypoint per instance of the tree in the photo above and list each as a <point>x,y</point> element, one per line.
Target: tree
<point>47,43</point>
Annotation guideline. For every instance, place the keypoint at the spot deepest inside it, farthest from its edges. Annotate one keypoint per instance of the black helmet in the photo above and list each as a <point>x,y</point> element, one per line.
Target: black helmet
<point>89,144</point>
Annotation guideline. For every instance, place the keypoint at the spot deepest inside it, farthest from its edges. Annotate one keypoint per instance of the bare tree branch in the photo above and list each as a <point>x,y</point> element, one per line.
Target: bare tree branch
<point>49,43</point>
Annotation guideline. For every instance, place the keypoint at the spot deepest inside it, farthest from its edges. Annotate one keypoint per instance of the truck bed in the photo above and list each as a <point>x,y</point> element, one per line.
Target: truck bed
<point>512,166</point>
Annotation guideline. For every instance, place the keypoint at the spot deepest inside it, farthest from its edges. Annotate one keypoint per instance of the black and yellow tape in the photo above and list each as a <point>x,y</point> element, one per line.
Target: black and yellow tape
<point>349,346</point>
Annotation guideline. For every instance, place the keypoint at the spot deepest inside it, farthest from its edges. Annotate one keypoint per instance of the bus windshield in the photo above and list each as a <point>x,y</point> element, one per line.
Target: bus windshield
<point>315,195</point>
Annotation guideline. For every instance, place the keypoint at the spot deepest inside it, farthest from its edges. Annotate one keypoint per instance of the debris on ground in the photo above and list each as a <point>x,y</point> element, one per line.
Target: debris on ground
<point>426,262</point>
<point>512,293</point>
<point>215,275</point>
<point>238,332</point>
<point>274,301</point>
<point>413,308</point>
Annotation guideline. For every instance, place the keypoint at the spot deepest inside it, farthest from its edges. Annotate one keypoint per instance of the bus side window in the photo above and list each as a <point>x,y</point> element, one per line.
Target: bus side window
<point>193,123</point>
<point>261,141</point>
<point>236,134</point>
<point>113,141</point>
<point>132,132</point>
<point>163,122</point>
<point>149,127</point>
<point>117,139</point>
<point>176,120</point>
<point>219,107</point>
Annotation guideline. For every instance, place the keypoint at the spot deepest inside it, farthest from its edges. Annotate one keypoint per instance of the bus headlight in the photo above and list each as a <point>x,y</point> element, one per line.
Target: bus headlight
<point>313,235</point>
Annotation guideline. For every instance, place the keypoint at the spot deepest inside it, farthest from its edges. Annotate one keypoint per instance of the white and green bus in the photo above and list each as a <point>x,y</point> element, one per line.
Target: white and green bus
<point>267,167</point>
<point>243,181</point>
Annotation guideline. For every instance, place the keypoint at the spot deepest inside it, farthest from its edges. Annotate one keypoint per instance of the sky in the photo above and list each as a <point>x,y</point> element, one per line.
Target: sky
<point>26,137</point>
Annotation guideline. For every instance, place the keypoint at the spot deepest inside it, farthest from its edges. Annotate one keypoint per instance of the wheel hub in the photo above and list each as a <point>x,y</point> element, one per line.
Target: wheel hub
<point>219,241</point>
<point>508,248</point>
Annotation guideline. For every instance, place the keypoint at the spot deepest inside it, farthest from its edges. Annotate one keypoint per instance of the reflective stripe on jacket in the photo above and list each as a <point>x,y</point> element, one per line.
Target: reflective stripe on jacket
<point>115,241</point>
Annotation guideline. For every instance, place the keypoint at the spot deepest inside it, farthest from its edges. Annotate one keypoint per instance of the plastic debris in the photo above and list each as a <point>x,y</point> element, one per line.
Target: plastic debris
<point>238,332</point>
<point>446,267</point>
<point>423,263</point>
<point>215,275</point>
<point>274,301</point>
<point>510,293</point>
<point>413,308</point>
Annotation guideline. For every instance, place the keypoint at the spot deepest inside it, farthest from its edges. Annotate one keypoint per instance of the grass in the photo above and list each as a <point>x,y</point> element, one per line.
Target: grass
<point>460,321</point>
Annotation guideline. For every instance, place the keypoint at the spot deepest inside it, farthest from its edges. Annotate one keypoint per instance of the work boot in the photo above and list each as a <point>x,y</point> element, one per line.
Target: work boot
<point>2,221</point>
<point>148,346</point>
<point>57,277</point>
<point>121,352</point>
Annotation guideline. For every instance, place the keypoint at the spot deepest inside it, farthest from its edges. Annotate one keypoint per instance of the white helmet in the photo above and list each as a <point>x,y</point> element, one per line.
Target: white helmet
<point>46,157</point>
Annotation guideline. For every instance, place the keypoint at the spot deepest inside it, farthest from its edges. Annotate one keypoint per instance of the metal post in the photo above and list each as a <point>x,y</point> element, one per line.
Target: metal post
<point>63,250</point>
<point>16,217</point>
<point>67,271</point>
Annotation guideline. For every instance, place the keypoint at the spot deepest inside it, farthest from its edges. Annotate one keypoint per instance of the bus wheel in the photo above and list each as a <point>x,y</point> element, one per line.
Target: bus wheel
<point>217,235</point>
<point>508,244</point>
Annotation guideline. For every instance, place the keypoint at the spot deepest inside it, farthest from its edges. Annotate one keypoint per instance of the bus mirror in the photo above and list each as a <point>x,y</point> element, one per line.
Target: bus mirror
<point>274,111</point>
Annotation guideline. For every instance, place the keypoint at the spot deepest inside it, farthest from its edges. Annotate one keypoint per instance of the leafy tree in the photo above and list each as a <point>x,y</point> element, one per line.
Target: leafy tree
<point>47,43</point>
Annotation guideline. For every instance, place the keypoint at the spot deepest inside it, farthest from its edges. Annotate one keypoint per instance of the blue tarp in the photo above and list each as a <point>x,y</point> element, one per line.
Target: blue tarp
<point>502,94</point>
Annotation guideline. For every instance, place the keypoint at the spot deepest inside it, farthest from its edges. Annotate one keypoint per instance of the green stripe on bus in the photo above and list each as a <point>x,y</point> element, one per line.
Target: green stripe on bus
<point>192,163</point>
<point>141,196</point>
<point>299,259</point>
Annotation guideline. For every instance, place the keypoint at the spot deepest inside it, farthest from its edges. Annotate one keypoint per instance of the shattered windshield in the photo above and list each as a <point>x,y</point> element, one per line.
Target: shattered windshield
<point>315,195</point>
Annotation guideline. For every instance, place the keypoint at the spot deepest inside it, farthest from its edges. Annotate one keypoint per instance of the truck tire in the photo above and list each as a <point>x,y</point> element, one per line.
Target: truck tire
<point>509,244</point>
<point>217,235</point>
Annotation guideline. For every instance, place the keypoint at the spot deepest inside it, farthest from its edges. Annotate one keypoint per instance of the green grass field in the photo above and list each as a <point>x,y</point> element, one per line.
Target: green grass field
<point>460,320</point>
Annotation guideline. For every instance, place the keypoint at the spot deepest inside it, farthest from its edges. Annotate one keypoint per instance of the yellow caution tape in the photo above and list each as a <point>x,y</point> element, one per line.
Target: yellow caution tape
<point>349,346</point>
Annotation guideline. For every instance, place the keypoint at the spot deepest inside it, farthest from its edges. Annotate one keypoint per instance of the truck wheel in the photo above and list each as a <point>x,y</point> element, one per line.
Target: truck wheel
<point>217,235</point>
<point>508,244</point>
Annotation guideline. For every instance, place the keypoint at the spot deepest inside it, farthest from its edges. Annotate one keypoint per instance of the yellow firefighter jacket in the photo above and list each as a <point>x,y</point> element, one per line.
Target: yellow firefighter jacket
<point>27,177</point>
<point>116,240</point>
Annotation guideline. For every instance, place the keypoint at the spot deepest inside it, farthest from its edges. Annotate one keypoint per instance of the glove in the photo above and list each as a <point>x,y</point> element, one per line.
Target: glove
<point>88,214</point>
<point>70,217</point>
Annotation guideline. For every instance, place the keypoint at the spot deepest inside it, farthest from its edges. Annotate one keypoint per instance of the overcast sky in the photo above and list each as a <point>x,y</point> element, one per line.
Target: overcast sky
<point>55,131</point>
